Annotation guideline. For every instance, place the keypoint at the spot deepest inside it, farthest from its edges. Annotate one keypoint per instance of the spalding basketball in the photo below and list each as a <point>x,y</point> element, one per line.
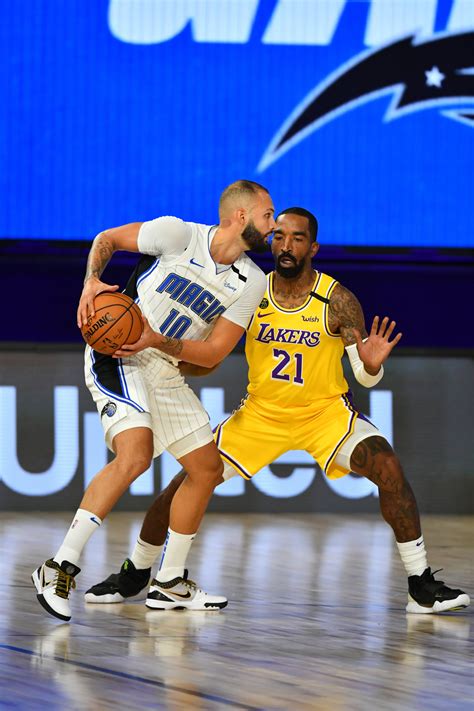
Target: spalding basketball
<point>117,321</point>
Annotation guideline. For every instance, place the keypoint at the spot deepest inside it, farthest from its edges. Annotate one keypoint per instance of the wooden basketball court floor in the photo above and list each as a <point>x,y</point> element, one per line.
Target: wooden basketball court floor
<point>315,621</point>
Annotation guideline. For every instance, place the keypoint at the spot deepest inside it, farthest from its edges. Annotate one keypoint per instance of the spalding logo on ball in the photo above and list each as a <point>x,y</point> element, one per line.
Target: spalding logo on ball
<point>117,321</point>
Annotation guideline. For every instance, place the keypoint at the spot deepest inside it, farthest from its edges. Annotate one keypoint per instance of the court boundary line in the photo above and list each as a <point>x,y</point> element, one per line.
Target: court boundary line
<point>133,677</point>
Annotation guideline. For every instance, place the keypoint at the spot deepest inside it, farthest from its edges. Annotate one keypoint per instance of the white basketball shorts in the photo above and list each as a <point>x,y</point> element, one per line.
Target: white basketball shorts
<point>147,390</point>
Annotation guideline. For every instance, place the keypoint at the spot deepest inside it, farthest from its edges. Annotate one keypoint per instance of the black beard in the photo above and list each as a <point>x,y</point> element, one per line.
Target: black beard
<point>289,272</point>
<point>254,239</point>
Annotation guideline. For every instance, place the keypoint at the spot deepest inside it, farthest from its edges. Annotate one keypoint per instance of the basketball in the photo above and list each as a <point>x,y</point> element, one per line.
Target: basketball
<point>116,322</point>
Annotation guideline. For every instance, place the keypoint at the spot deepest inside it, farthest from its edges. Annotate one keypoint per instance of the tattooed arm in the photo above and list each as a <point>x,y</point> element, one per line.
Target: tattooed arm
<point>209,353</point>
<point>103,247</point>
<point>367,353</point>
<point>345,315</point>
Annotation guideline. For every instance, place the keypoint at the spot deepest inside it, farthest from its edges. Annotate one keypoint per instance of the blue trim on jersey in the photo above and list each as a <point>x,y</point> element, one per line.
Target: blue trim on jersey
<point>144,276</point>
<point>122,378</point>
<point>110,393</point>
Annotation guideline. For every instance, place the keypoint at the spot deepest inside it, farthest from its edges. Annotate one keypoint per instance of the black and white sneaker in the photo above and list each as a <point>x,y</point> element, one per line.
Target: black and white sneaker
<point>182,594</point>
<point>427,596</point>
<point>129,582</point>
<point>53,582</point>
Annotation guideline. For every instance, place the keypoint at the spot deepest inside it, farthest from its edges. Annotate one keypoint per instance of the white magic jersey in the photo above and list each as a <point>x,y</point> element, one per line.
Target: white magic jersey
<point>184,291</point>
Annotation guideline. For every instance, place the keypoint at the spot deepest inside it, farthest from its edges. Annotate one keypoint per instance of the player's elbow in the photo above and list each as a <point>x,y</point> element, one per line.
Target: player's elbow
<point>211,361</point>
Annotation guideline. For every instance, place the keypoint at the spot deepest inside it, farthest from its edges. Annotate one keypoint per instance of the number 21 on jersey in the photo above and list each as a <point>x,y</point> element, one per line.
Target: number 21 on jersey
<point>284,360</point>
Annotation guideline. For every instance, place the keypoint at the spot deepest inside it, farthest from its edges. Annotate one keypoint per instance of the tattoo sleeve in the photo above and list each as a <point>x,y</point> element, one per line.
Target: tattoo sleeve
<point>171,346</point>
<point>99,256</point>
<point>345,314</point>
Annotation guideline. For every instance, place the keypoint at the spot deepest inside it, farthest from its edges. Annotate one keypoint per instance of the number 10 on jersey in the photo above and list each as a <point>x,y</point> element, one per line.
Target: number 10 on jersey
<point>174,327</point>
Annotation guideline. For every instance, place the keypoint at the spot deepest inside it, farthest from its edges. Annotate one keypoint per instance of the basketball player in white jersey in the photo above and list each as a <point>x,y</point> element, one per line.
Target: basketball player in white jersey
<point>197,290</point>
<point>298,398</point>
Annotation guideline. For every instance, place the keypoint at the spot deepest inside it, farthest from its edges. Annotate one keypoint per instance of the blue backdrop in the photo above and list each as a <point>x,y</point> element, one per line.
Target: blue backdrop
<point>124,110</point>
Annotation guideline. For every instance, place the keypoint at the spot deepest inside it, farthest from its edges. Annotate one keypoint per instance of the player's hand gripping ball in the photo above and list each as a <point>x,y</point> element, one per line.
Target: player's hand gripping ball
<point>117,321</point>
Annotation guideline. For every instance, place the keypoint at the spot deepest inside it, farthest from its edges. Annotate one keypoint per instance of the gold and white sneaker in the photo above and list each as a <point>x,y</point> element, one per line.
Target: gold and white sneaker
<point>182,594</point>
<point>53,583</point>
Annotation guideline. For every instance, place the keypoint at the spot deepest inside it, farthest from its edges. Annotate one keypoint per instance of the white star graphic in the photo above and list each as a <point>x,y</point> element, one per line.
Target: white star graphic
<point>434,77</point>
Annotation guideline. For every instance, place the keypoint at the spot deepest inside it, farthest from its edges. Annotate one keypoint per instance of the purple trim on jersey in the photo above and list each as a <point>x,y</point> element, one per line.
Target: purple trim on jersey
<point>349,397</point>
<point>334,452</point>
<point>234,463</point>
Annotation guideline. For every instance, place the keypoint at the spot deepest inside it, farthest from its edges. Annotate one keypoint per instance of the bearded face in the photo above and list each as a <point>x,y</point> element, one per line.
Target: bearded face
<point>254,239</point>
<point>287,266</point>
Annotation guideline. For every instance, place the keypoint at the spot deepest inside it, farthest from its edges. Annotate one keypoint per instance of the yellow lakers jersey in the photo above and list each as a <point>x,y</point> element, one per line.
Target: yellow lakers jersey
<point>294,360</point>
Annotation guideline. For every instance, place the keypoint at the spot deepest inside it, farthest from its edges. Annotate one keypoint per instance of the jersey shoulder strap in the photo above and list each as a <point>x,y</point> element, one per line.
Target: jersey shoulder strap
<point>323,288</point>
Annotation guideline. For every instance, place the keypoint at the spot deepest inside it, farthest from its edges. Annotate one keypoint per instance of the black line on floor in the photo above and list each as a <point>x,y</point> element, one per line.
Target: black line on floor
<point>133,677</point>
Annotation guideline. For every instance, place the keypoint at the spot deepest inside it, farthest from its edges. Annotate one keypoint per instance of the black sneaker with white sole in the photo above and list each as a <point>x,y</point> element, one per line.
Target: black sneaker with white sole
<point>129,582</point>
<point>427,596</point>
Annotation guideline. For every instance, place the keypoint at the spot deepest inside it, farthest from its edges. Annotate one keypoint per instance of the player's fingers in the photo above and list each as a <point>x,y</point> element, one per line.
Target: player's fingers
<point>110,287</point>
<point>90,311</point>
<point>383,326</point>
<point>396,339</point>
<point>357,335</point>
<point>83,311</point>
<point>390,329</point>
<point>79,315</point>
<point>375,326</point>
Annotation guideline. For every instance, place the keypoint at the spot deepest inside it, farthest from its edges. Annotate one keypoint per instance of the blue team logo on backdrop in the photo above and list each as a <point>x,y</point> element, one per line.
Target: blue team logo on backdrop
<point>420,75</point>
<point>143,108</point>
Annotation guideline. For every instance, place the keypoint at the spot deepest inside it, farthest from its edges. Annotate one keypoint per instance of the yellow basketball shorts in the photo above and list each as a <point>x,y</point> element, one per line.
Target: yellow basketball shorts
<point>253,436</point>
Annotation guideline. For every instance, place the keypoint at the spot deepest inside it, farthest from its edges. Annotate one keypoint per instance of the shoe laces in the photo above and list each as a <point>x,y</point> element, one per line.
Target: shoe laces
<point>63,583</point>
<point>190,583</point>
<point>432,574</point>
<point>436,584</point>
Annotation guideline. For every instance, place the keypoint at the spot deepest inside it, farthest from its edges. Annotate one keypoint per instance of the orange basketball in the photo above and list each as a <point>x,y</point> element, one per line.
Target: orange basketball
<point>117,321</point>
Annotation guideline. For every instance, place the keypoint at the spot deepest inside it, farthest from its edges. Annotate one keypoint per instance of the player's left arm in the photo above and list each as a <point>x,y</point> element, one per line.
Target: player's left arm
<point>367,352</point>
<point>209,353</point>
<point>195,371</point>
<point>225,335</point>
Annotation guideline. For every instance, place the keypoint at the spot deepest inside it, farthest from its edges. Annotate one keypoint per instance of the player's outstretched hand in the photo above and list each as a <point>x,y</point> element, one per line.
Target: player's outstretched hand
<point>92,287</point>
<point>148,339</point>
<point>378,346</point>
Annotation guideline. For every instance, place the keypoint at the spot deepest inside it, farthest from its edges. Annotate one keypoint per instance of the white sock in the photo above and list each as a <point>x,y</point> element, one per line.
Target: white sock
<point>83,526</point>
<point>144,554</point>
<point>173,560</point>
<point>413,556</point>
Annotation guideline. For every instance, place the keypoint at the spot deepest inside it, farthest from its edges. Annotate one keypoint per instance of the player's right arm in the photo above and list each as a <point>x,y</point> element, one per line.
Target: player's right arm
<point>163,235</point>
<point>103,247</point>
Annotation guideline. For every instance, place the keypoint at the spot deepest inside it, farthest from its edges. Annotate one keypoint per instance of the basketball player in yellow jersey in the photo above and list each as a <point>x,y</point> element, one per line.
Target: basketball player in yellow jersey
<point>298,398</point>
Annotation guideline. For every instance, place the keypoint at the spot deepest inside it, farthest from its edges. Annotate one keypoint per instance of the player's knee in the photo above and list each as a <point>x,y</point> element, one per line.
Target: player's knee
<point>211,475</point>
<point>133,466</point>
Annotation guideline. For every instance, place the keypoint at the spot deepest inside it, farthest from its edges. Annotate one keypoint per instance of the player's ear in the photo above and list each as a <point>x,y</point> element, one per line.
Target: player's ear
<point>241,215</point>
<point>314,249</point>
